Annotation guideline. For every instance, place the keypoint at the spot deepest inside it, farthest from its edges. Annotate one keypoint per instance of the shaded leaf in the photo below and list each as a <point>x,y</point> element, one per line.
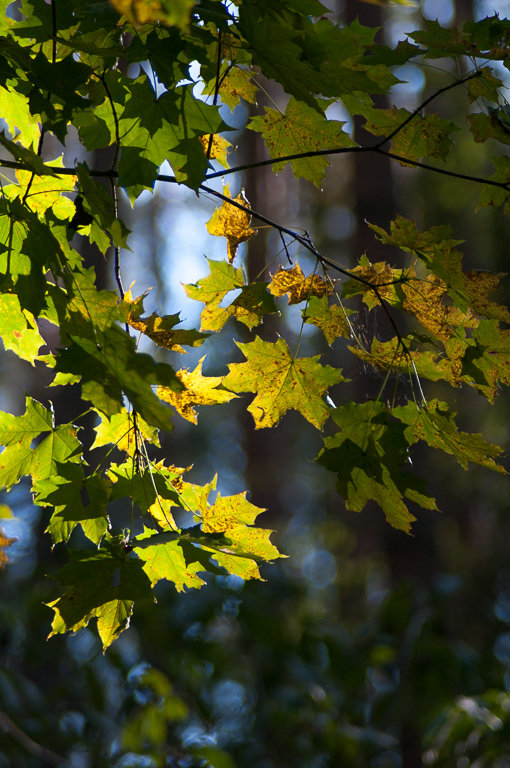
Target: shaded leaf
<point>367,454</point>
<point>101,584</point>
<point>300,129</point>
<point>435,425</point>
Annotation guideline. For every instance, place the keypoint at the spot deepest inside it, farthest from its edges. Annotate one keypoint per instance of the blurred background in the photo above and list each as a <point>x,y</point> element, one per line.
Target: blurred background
<point>366,647</point>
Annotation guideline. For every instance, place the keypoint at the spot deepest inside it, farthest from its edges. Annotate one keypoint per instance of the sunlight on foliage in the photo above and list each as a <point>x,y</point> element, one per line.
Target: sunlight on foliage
<point>117,83</point>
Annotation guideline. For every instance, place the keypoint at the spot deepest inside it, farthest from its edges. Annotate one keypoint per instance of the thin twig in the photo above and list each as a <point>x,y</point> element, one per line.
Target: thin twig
<point>307,243</point>
<point>28,744</point>
<point>425,103</point>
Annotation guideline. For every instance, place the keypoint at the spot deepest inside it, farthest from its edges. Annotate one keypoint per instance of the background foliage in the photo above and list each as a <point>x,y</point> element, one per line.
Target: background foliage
<point>365,647</point>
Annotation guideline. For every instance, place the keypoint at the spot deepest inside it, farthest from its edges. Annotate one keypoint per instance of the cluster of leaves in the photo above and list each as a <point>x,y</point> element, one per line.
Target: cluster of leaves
<point>119,74</point>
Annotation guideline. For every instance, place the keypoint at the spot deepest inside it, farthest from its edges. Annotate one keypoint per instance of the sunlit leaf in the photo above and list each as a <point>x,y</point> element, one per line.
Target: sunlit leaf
<point>332,319</point>
<point>171,12</point>
<point>249,306</point>
<point>161,329</point>
<point>293,282</point>
<point>232,223</point>
<point>198,390</point>
<point>217,147</point>
<point>281,382</point>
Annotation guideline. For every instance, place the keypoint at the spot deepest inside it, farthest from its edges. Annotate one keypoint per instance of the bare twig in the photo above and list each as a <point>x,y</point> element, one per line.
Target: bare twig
<point>28,744</point>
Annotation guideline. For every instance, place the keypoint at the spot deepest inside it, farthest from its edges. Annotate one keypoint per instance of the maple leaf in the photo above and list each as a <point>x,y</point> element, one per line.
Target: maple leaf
<point>171,12</point>
<point>281,382</point>
<point>386,279</point>
<point>219,147</point>
<point>75,499</point>
<point>437,250</point>
<point>425,300</point>
<point>18,329</point>
<point>45,191</point>
<point>160,329</point>
<point>119,430</point>
<point>391,355</point>
<point>300,129</point>
<point>15,110</point>
<point>168,561</point>
<point>60,445</point>
<point>367,455</point>
<point>102,584</point>
<point>243,545</point>
<point>237,84</point>
<point>435,425</point>
<point>248,307</point>
<point>293,282</point>
<point>199,390</point>
<point>232,223</point>
<point>332,319</point>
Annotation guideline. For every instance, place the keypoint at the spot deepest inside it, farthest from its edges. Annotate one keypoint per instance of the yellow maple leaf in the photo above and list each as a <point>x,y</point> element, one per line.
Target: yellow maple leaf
<point>219,147</point>
<point>232,223</point>
<point>45,191</point>
<point>299,288</point>
<point>200,390</point>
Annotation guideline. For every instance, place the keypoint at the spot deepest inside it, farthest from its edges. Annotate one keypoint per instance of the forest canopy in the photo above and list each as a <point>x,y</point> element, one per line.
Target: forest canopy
<point>145,94</point>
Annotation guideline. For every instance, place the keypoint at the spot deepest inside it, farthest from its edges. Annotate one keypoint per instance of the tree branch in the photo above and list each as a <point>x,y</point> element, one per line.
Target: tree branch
<point>28,744</point>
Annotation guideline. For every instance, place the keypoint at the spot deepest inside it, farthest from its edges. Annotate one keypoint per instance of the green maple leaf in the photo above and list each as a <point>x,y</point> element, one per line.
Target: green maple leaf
<point>281,382</point>
<point>102,584</point>
<point>435,425</point>
<point>428,135</point>
<point>119,430</point>
<point>18,329</point>
<point>367,455</point>
<point>248,307</point>
<point>110,368</point>
<point>300,129</point>
<point>496,196</point>
<point>168,561</point>
<point>66,492</point>
<point>19,458</point>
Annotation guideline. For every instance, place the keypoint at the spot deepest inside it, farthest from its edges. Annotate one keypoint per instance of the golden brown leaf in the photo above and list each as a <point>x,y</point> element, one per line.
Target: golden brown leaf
<point>232,223</point>
<point>160,329</point>
<point>200,390</point>
<point>299,288</point>
<point>425,300</point>
<point>219,147</point>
